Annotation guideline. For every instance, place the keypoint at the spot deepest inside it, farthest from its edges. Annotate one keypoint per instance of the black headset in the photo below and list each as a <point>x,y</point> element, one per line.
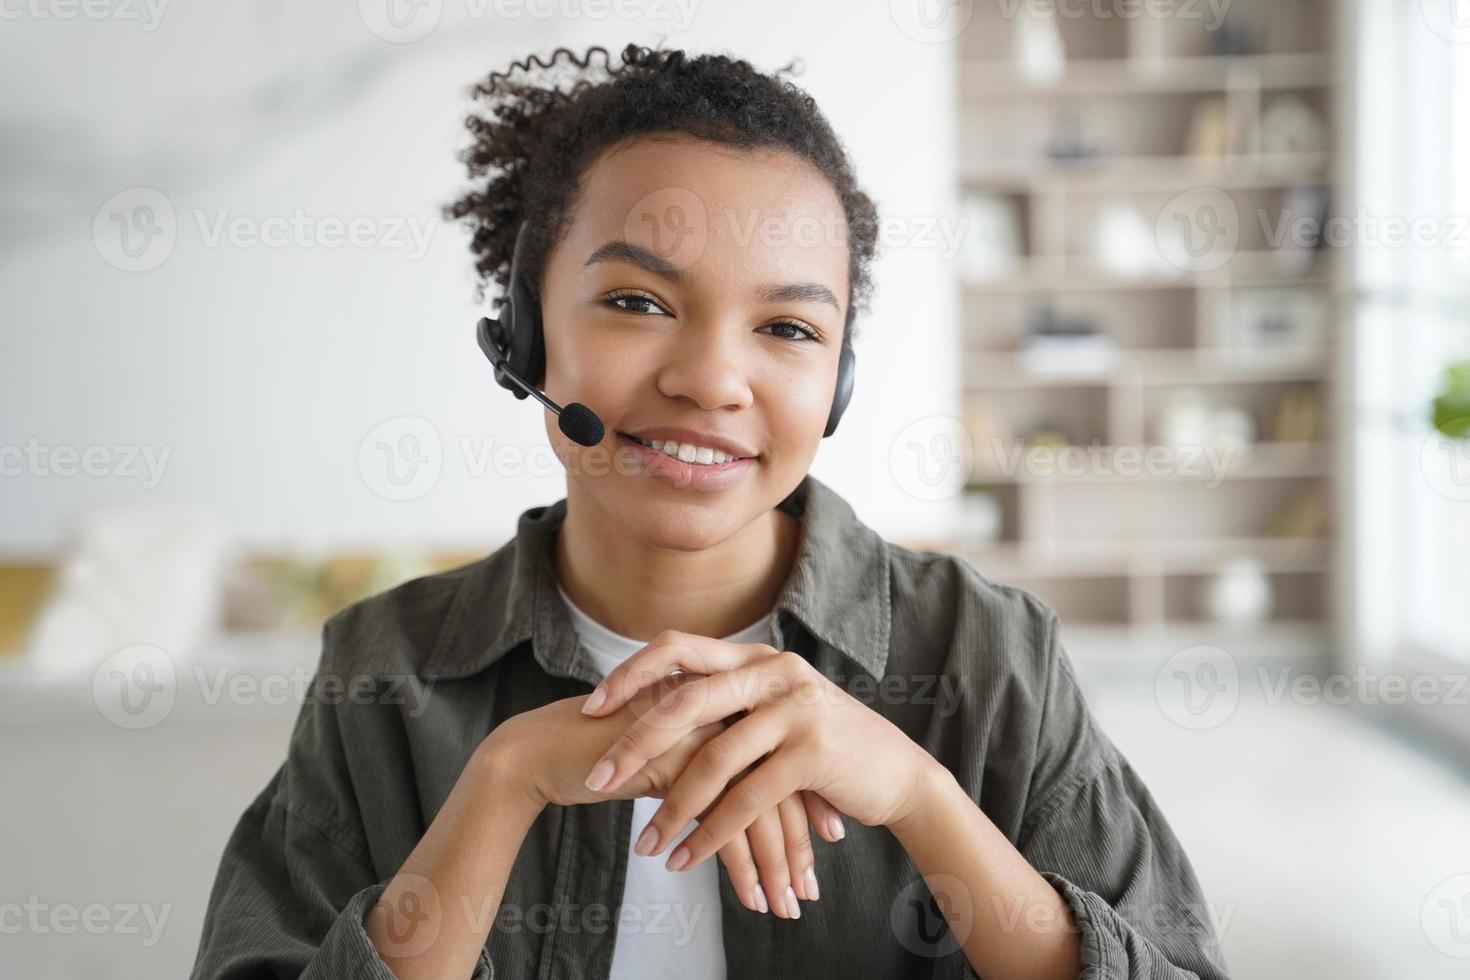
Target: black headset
<point>516,346</point>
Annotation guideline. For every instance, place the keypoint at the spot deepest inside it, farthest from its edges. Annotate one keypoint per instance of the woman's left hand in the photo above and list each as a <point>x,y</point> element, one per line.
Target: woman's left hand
<point>799,731</point>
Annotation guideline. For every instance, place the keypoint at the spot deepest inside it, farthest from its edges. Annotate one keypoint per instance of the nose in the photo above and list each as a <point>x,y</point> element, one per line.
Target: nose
<point>706,366</point>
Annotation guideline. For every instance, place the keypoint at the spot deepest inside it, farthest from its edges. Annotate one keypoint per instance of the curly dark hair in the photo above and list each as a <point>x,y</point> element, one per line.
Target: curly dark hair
<point>545,127</point>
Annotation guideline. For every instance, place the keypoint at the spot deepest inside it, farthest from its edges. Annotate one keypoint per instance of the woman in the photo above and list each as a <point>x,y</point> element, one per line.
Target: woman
<point>695,246</point>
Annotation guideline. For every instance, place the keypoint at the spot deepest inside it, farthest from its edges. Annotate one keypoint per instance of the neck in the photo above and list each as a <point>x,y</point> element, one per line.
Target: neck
<point>638,589</point>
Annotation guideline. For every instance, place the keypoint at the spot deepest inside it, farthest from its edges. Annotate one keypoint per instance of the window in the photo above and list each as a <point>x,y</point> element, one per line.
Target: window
<point>1408,319</point>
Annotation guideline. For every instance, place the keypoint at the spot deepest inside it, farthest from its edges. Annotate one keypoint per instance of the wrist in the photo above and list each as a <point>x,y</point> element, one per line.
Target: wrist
<point>503,775</point>
<point>931,781</point>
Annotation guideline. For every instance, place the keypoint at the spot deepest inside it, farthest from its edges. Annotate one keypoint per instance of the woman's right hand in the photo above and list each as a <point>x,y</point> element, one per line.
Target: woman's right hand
<point>554,746</point>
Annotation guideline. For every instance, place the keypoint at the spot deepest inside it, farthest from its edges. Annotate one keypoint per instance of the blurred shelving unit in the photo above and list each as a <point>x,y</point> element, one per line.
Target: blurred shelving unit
<point>1141,194</point>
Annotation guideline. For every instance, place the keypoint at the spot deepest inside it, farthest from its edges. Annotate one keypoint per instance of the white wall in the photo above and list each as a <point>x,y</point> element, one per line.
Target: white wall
<point>261,370</point>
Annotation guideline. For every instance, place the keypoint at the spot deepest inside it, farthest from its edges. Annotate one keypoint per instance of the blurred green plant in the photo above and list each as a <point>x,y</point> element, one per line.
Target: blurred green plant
<point>1452,404</point>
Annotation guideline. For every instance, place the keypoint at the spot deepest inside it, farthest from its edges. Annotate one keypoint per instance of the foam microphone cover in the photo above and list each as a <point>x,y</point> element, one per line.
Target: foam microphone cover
<point>580,424</point>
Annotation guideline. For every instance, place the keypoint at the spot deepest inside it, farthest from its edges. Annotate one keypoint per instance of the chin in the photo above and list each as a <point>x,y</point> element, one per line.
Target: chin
<point>680,520</point>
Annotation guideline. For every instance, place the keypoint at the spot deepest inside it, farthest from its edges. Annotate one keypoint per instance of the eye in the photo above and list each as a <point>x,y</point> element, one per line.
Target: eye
<point>638,303</point>
<point>805,334</point>
<point>615,300</point>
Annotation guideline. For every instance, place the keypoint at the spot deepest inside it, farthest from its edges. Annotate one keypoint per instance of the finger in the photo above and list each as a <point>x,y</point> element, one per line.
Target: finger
<point>712,772</point>
<point>798,842</point>
<point>823,816</point>
<point>670,650</point>
<point>697,702</point>
<point>772,781</point>
<point>656,777</point>
<point>740,862</point>
<point>763,846</point>
<point>649,696</point>
<point>769,851</point>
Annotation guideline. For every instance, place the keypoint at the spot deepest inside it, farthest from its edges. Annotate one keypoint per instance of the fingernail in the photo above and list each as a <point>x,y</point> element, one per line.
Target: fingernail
<point>792,908</point>
<point>646,841</point>
<point>760,898</point>
<point>811,885</point>
<point>594,700</point>
<point>678,859</point>
<point>834,827</point>
<point>600,774</point>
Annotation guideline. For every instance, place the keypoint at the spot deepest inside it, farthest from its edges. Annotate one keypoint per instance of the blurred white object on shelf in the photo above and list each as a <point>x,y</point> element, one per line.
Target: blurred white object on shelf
<point>1233,428</point>
<point>1040,53</point>
<point>1186,421</point>
<point>991,246</point>
<point>1126,243</point>
<point>1189,421</point>
<point>1239,594</point>
<point>980,517</point>
<point>150,574</point>
<point>1078,354</point>
<point>1289,126</point>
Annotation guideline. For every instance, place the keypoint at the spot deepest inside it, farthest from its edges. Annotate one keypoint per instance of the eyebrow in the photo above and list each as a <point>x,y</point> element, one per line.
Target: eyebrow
<point>792,292</point>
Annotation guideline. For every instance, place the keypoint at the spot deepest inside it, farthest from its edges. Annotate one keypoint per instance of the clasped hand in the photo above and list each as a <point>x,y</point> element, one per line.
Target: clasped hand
<point>787,729</point>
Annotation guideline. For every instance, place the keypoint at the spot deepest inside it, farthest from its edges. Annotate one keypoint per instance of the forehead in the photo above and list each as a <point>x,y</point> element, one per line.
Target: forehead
<point>709,207</point>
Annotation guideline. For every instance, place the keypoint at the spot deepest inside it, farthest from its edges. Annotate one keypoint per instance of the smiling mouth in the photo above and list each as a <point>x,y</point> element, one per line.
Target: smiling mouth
<point>687,453</point>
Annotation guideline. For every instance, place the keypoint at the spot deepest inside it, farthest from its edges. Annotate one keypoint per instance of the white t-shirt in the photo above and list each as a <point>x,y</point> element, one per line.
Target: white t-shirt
<point>669,925</point>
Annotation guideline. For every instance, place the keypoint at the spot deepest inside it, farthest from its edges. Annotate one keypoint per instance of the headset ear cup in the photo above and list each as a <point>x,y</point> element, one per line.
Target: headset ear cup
<point>842,394</point>
<point>510,317</point>
<point>522,319</point>
<point>490,335</point>
<point>527,344</point>
<point>536,353</point>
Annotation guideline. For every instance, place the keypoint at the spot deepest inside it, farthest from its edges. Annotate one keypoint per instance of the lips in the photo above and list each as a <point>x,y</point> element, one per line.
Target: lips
<point>701,477</point>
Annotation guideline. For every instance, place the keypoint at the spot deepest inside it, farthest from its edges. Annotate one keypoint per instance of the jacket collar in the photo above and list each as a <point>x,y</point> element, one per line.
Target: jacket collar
<point>838,590</point>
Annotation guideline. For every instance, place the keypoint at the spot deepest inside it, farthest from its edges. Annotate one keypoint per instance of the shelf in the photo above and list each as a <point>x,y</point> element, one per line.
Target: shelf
<point>991,370</point>
<point>1120,536</point>
<point>1079,273</point>
<point>1147,173</point>
<point>1262,461</point>
<point>1199,556</point>
<point>1165,76</point>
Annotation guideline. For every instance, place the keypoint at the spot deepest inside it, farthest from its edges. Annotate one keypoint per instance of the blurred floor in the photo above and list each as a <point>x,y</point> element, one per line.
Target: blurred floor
<point>1317,837</point>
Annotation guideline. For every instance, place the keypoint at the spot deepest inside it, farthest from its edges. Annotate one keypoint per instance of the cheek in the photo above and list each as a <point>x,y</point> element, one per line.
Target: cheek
<point>797,410</point>
<point>588,370</point>
<point>606,384</point>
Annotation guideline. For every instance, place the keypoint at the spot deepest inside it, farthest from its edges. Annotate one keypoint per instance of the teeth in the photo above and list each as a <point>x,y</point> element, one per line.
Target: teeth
<point>688,452</point>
